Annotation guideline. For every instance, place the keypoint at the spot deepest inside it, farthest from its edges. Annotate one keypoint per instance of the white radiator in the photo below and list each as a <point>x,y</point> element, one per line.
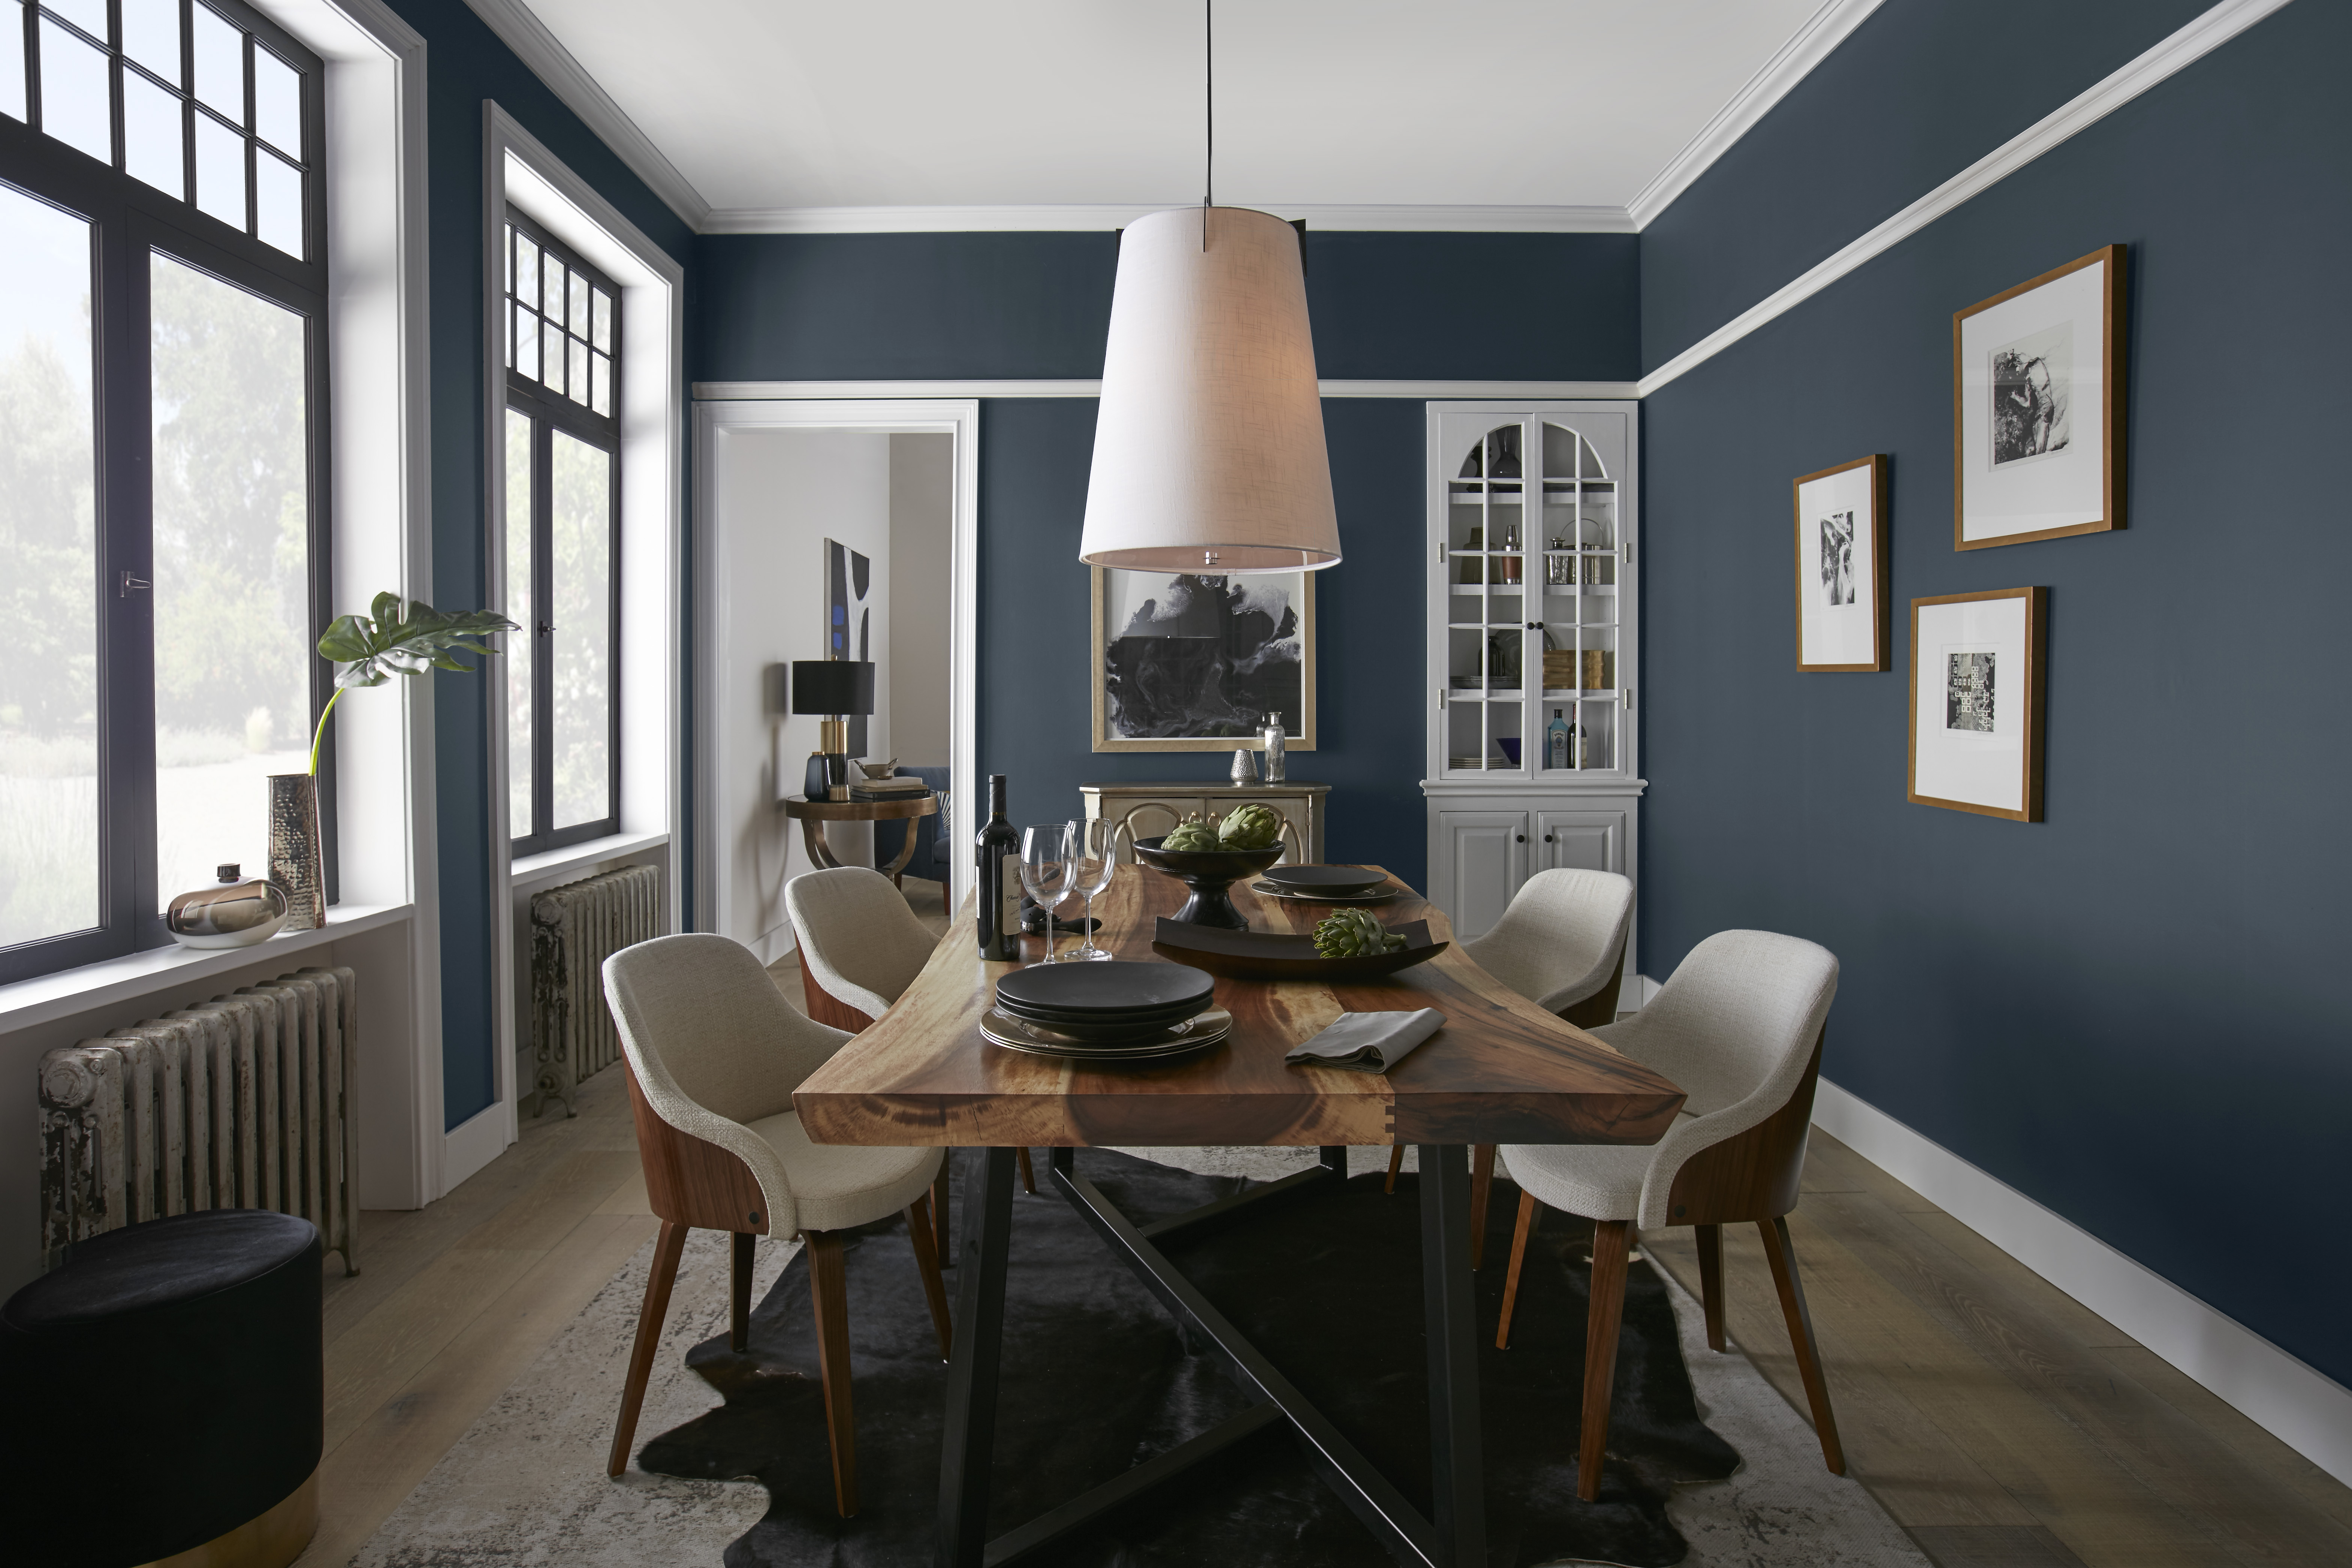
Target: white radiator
<point>573,930</point>
<point>244,1102</point>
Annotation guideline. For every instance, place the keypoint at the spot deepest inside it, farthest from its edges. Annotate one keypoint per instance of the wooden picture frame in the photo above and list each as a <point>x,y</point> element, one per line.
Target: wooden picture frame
<point>1118,590</point>
<point>1981,747</point>
<point>2037,411</point>
<point>1845,598</point>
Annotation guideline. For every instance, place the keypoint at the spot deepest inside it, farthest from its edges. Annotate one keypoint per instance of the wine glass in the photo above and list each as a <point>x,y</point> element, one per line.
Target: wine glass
<point>1046,872</point>
<point>1093,861</point>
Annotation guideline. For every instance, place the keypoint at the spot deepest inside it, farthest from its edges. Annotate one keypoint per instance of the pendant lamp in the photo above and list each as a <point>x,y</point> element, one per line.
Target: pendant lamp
<point>1209,454</point>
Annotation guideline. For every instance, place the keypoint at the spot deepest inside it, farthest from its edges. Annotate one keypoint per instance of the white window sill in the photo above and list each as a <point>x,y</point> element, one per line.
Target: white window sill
<point>122,980</point>
<point>533,871</point>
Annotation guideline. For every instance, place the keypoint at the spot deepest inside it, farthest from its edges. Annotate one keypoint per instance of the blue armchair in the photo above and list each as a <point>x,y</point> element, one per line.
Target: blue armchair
<point>932,837</point>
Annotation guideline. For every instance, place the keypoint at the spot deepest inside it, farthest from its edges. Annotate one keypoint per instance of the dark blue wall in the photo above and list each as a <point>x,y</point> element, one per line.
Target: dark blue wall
<point>1919,91</point>
<point>854,306</point>
<point>465,65</point>
<point>2133,1011</point>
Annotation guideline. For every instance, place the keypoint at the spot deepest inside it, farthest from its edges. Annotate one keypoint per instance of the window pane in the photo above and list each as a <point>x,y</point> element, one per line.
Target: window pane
<point>577,358</point>
<point>579,323</point>
<point>232,569</point>
<point>76,106</point>
<point>220,65</point>
<point>551,295</point>
<point>519,645</point>
<point>151,35</point>
<point>603,336</point>
<point>220,172</point>
<point>526,343</point>
<point>581,553</point>
<point>550,351</point>
<point>526,269</point>
<point>601,402</point>
<point>277,102</point>
<point>89,16</point>
<point>151,149</point>
<point>277,200</point>
<point>12,60</point>
<point>48,568</point>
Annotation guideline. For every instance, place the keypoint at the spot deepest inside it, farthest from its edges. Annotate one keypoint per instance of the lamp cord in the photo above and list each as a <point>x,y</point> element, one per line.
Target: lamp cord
<point>1208,113</point>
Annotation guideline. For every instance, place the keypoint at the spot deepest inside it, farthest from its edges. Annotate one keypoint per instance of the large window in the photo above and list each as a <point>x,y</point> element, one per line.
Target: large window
<point>163,460</point>
<point>563,534</point>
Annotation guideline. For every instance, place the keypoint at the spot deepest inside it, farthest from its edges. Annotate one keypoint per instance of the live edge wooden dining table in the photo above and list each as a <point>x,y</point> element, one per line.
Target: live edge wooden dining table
<point>1502,1070</point>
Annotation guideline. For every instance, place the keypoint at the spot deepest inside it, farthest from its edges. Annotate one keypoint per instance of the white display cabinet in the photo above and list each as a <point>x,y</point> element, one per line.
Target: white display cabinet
<point>1534,616</point>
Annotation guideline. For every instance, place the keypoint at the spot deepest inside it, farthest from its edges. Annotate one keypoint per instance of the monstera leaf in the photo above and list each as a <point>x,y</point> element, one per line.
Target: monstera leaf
<point>406,639</point>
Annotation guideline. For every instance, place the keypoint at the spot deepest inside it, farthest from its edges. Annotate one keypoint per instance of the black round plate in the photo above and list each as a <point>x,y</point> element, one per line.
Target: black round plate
<point>1118,986</point>
<point>1105,1031</point>
<point>1339,881</point>
<point>1174,1013</point>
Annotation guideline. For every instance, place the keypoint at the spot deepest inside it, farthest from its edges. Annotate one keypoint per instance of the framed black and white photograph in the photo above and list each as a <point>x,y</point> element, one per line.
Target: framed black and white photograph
<point>2037,407</point>
<point>1843,609</point>
<point>1976,702</point>
<point>1185,663</point>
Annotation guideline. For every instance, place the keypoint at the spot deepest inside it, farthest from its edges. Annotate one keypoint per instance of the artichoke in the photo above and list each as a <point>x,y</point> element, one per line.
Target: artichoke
<point>1251,827</point>
<point>1191,836</point>
<point>1353,933</point>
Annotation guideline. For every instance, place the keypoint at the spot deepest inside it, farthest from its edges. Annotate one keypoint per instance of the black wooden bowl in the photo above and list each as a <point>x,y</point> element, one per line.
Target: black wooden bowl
<point>1208,872</point>
<point>1263,955</point>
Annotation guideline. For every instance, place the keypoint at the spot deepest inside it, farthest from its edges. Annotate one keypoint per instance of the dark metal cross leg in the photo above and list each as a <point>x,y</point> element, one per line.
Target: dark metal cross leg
<point>1455,1537</point>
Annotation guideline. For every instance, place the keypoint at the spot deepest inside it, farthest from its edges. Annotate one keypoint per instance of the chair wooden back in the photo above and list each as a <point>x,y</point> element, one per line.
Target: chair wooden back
<point>1751,1175</point>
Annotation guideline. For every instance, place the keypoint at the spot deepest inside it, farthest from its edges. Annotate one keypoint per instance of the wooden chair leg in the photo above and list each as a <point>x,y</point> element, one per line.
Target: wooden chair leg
<point>829,1294</point>
<point>738,1283</point>
<point>1602,1314</point>
<point>1028,1171</point>
<point>927,1264</point>
<point>666,1248</point>
<point>1529,1210</point>
<point>941,1250</point>
<point>945,908</point>
<point>1396,1163</point>
<point>1482,1186</point>
<point>1782,1256</point>
<point>1710,1282</point>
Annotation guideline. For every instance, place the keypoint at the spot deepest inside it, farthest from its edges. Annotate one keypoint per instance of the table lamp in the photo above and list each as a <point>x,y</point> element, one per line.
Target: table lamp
<point>833,688</point>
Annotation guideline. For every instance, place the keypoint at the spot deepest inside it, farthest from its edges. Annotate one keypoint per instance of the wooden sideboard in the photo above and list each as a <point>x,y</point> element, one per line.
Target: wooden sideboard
<point>1150,810</point>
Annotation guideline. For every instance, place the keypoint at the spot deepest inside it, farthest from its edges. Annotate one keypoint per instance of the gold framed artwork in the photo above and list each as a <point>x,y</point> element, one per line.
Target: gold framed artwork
<point>1977,682</point>
<point>1189,663</point>
<point>1843,609</point>
<point>2038,407</point>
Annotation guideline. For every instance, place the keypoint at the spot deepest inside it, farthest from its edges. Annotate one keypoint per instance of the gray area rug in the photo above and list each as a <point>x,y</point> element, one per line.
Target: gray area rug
<point>526,1485</point>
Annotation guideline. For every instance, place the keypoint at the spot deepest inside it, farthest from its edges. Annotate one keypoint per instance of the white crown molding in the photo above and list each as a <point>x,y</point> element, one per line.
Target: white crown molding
<point>1103,216</point>
<point>2185,47</point>
<point>1811,44</point>
<point>540,50</point>
<point>2295,1401</point>
<point>801,390</point>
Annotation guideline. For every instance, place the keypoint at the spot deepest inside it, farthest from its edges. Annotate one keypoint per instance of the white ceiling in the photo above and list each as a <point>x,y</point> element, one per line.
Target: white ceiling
<point>763,105</point>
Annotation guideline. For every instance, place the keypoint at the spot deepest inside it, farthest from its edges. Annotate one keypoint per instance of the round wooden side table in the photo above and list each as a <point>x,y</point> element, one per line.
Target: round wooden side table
<point>811,814</point>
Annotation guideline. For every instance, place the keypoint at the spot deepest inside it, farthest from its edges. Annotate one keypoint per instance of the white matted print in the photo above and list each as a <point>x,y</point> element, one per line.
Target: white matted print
<point>1842,576</point>
<point>1976,702</point>
<point>2037,407</point>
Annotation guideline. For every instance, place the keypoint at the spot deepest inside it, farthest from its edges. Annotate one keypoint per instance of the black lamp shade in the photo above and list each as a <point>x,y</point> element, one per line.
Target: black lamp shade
<point>833,686</point>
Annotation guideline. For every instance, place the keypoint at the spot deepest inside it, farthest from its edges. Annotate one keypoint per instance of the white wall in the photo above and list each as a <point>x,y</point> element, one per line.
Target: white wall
<point>780,494</point>
<point>922,519</point>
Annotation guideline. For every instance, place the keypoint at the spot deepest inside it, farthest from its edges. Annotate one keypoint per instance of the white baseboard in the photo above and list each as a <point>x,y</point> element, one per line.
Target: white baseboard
<point>474,1143</point>
<point>1635,993</point>
<point>2298,1404</point>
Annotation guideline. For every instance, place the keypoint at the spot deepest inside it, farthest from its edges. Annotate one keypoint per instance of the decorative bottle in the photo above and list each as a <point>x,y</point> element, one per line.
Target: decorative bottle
<point>1273,739</point>
<point>1556,742</point>
<point>1511,562</point>
<point>998,905</point>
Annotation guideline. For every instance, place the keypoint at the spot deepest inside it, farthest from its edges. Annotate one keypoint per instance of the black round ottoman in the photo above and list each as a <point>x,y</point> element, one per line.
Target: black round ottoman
<point>164,1388</point>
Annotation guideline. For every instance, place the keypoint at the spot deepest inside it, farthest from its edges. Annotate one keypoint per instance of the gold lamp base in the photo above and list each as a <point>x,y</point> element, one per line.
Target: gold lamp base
<point>271,1539</point>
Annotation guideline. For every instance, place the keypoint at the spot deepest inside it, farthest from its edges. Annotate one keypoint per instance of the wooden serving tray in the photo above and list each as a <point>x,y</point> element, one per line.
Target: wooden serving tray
<point>1263,956</point>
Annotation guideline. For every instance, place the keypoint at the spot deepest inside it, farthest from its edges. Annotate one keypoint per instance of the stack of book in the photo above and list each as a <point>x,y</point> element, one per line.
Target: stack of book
<point>898,786</point>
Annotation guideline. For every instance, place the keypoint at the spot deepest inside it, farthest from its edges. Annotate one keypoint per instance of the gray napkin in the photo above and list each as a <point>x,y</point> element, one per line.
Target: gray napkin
<point>1369,1042</point>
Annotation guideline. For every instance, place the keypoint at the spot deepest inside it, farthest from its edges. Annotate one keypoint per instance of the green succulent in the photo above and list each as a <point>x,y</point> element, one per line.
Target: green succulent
<point>1251,827</point>
<point>1353,933</point>
<point>1191,836</point>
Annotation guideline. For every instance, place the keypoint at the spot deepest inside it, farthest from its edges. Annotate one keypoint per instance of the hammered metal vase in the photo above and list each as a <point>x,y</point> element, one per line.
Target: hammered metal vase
<point>297,858</point>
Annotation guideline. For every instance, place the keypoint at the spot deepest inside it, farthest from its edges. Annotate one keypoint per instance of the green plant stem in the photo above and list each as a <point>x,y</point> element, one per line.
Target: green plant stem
<point>320,735</point>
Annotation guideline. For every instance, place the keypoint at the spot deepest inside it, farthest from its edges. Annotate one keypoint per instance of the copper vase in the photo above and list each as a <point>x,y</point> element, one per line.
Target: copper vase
<point>297,857</point>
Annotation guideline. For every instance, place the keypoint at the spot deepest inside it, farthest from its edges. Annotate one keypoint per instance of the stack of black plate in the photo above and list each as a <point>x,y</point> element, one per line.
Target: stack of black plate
<point>1106,1011</point>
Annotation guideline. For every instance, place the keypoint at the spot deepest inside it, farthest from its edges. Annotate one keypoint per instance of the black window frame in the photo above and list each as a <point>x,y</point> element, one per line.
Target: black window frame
<point>128,219</point>
<point>549,411</point>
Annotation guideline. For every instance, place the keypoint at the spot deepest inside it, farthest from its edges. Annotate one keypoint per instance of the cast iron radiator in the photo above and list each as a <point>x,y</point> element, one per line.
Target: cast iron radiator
<point>244,1102</point>
<point>573,930</point>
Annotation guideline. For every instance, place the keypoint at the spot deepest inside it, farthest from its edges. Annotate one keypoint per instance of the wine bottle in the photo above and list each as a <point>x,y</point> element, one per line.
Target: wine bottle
<point>998,850</point>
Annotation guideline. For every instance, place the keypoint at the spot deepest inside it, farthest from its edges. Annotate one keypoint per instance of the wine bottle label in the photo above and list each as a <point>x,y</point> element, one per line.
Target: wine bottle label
<point>1008,919</point>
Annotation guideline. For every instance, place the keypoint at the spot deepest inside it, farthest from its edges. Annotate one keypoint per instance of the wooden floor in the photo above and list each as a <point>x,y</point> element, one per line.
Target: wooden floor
<point>2000,1423</point>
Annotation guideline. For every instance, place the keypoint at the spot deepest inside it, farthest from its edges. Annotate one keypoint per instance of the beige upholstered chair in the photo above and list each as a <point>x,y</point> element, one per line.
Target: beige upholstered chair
<point>1560,944</point>
<point>860,948</point>
<point>1739,1029</point>
<point>714,1052</point>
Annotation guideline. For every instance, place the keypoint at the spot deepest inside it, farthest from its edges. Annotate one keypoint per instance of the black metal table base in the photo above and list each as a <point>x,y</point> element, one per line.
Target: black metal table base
<point>1455,1537</point>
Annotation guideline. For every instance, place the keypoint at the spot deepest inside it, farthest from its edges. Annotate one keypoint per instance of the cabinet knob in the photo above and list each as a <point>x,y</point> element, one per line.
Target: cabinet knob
<point>1523,837</point>
<point>1547,837</point>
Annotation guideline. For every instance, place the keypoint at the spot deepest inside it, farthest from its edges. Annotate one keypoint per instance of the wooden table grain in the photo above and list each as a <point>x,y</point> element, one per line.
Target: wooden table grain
<point>1501,1070</point>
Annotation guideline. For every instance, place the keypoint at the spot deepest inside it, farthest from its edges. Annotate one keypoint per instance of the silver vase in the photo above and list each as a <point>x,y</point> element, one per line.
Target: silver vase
<point>297,856</point>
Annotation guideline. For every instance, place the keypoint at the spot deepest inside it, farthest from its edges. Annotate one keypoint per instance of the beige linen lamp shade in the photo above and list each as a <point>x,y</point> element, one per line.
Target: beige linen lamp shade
<point>1209,453</point>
